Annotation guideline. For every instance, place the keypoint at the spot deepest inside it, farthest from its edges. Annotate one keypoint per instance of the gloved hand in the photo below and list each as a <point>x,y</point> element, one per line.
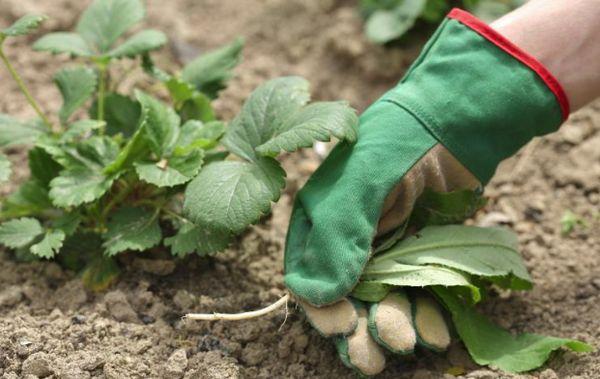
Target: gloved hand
<point>470,100</point>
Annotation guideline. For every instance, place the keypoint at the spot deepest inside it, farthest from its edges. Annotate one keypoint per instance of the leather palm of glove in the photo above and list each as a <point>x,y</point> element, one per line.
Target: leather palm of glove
<point>470,100</point>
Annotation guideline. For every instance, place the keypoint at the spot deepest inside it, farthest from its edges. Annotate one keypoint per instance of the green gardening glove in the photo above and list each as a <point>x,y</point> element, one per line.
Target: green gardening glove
<point>469,101</point>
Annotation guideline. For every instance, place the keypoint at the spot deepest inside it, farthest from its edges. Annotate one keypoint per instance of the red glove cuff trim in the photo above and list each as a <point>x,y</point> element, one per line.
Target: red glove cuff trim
<point>497,39</point>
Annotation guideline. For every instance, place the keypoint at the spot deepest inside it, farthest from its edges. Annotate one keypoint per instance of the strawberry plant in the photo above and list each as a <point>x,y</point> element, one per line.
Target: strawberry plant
<point>121,171</point>
<point>388,20</point>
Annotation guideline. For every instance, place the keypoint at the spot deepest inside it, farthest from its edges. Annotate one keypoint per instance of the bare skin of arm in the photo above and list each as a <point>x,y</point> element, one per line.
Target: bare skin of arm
<point>564,35</point>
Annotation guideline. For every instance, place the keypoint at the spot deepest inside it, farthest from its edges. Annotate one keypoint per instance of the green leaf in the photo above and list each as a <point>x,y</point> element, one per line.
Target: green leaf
<point>387,25</point>
<point>198,107</point>
<point>435,10</point>
<point>569,221</point>
<point>192,239</point>
<point>80,129</point>
<point>264,113</point>
<point>196,134</point>
<point>23,26</point>
<point>5,170</point>
<point>67,223</point>
<point>19,232</point>
<point>121,113</point>
<point>315,122</point>
<point>79,250</point>
<point>30,198</point>
<point>50,245</point>
<point>132,229</point>
<point>210,72</point>
<point>371,291</point>
<point>230,195</point>
<point>104,21</point>
<point>78,186</point>
<point>488,252</point>
<point>142,42</point>
<point>76,86</point>
<point>171,171</point>
<point>403,275</point>
<point>135,149</point>
<point>100,273</point>
<point>491,345</point>
<point>14,132</point>
<point>442,208</point>
<point>161,124</point>
<point>42,167</point>
<point>63,43</point>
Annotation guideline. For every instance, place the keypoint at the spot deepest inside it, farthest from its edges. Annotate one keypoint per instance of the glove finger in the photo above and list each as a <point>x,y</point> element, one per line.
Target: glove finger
<point>391,323</point>
<point>359,351</point>
<point>337,319</point>
<point>432,330</point>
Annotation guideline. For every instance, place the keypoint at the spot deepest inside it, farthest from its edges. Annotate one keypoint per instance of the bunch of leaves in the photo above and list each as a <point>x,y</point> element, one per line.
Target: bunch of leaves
<point>116,172</point>
<point>457,263</point>
<point>389,20</point>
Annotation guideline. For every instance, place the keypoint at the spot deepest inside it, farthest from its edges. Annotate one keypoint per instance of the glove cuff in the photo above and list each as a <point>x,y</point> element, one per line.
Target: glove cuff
<point>479,95</point>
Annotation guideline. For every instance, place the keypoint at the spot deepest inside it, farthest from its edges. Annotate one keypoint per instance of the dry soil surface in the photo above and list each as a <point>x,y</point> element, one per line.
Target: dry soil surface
<point>51,327</point>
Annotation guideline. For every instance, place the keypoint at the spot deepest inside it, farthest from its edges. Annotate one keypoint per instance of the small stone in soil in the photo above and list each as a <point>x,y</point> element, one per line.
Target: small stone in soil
<point>10,296</point>
<point>78,319</point>
<point>146,319</point>
<point>119,307</point>
<point>37,364</point>
<point>208,343</point>
<point>176,364</point>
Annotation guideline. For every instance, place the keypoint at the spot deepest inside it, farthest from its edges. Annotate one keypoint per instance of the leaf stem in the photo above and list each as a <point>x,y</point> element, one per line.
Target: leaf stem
<point>238,316</point>
<point>15,75</point>
<point>103,70</point>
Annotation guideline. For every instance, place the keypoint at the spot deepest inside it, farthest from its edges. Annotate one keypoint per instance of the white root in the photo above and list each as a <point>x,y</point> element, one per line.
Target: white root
<point>239,316</point>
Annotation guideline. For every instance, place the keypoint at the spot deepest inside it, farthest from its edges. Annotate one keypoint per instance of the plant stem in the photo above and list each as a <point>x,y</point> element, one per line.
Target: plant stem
<point>101,89</point>
<point>23,88</point>
<point>238,316</point>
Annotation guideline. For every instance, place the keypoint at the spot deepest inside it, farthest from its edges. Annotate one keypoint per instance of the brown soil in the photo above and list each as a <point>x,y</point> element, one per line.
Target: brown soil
<point>49,325</point>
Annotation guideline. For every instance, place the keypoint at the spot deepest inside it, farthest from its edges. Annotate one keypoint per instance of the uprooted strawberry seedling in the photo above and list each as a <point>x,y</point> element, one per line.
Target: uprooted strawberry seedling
<point>116,172</point>
<point>457,264</point>
<point>389,20</point>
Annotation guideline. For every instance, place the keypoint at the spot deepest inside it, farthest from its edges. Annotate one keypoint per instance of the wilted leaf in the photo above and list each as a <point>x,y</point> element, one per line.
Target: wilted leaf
<point>76,86</point>
<point>100,273</point>
<point>132,229</point>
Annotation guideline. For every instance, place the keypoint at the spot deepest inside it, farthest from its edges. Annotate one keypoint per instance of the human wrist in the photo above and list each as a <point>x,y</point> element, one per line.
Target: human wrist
<point>544,29</point>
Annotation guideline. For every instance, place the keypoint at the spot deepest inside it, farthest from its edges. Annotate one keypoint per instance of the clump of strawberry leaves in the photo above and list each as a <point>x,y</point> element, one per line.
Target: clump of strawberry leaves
<point>120,171</point>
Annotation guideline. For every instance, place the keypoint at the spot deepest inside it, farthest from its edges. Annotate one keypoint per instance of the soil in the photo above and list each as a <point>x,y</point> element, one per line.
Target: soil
<point>50,326</point>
